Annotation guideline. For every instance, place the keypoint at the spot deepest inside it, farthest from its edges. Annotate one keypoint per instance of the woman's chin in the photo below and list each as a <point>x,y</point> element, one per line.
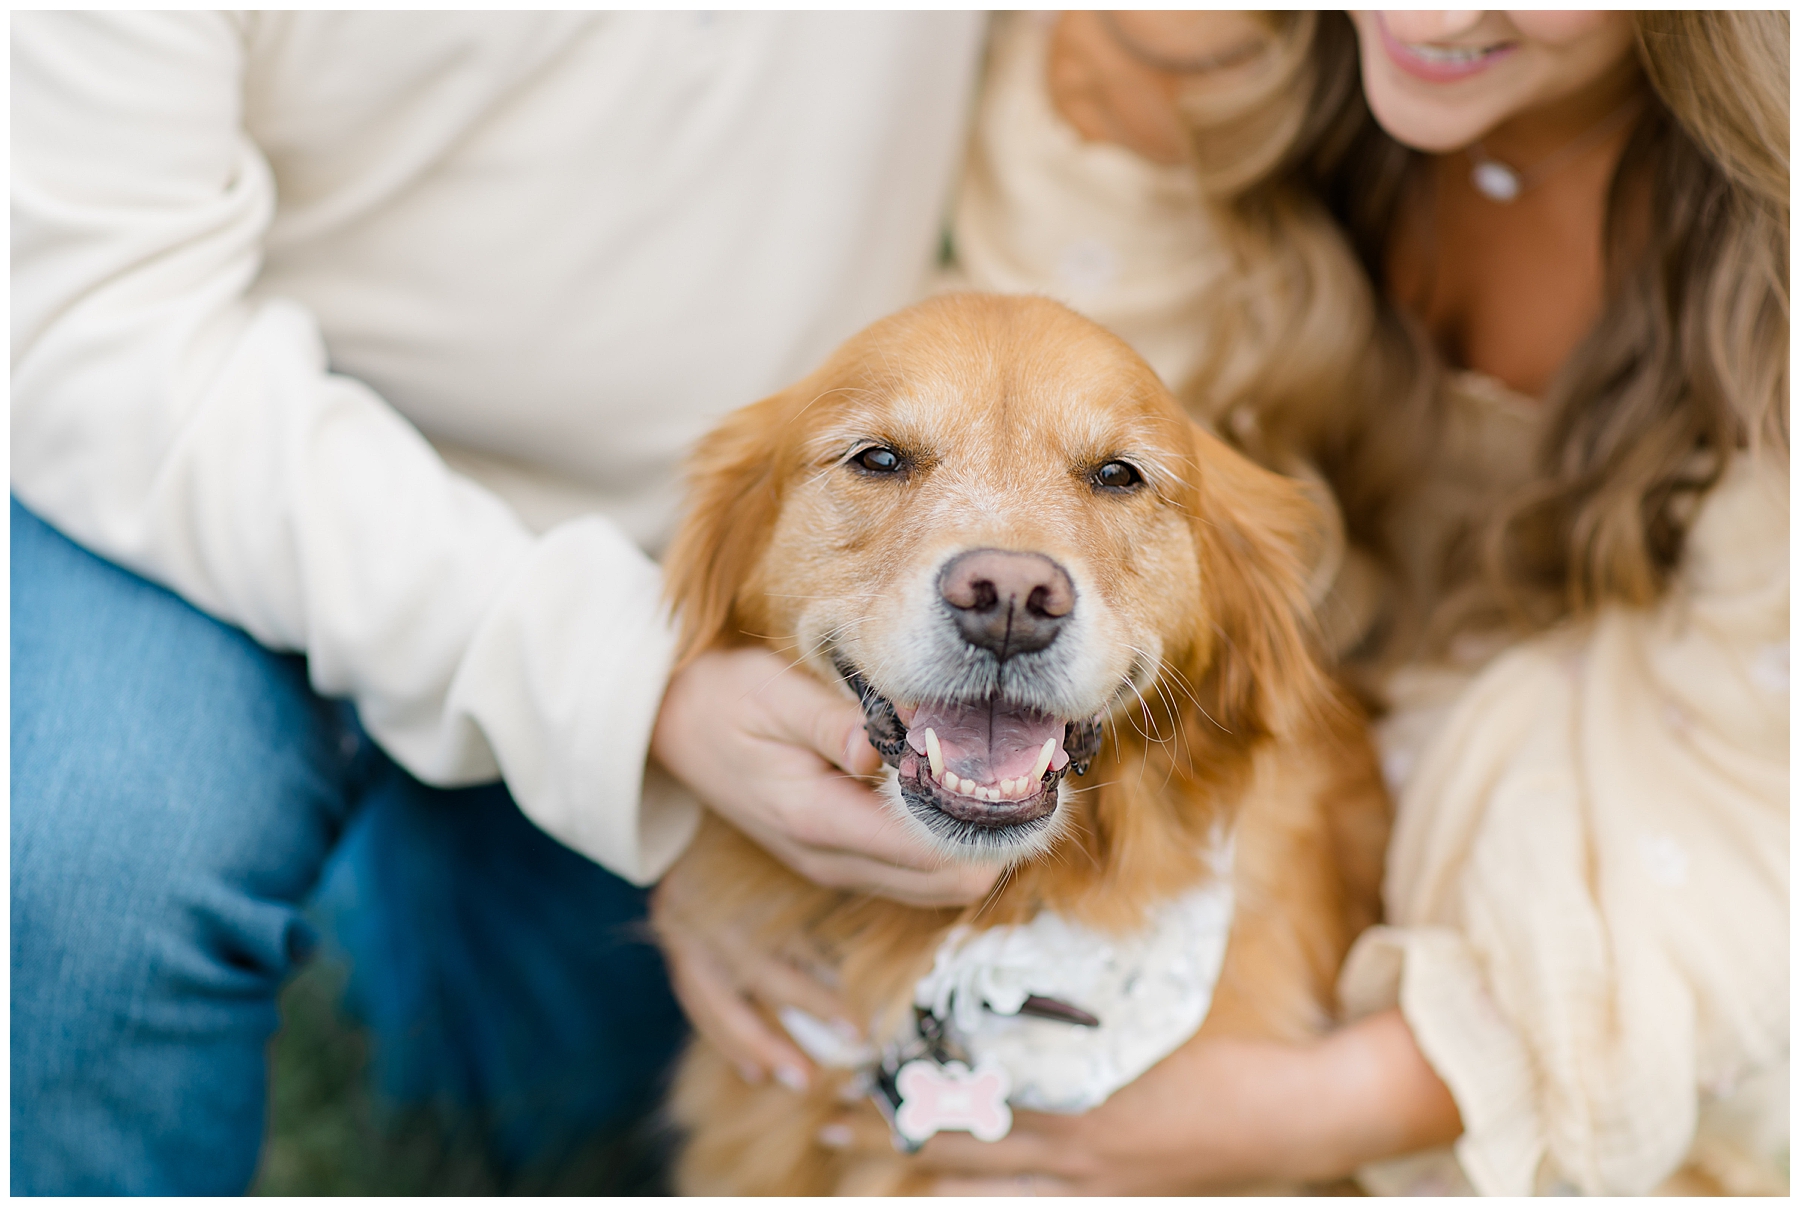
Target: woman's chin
<point>1436,125</point>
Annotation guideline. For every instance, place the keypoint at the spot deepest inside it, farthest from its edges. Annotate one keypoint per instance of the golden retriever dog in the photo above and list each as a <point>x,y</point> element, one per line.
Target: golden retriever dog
<point>1076,622</point>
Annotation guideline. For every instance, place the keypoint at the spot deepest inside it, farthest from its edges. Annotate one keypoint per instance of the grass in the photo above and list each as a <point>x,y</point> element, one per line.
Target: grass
<point>329,1134</point>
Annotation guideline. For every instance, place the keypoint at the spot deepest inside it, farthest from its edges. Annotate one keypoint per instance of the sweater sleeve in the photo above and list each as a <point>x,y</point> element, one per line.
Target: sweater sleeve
<point>172,422</point>
<point>1095,226</point>
<point>1587,886</point>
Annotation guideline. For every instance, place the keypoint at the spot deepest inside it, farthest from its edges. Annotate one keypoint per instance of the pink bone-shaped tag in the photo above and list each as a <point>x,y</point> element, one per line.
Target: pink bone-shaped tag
<point>951,1098</point>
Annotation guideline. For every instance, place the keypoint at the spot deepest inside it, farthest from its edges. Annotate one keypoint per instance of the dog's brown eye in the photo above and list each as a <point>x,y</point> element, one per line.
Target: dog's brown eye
<point>878,460</point>
<point>1118,475</point>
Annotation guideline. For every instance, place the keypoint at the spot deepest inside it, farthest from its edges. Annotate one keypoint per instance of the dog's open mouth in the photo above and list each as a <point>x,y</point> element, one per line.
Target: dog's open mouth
<point>990,765</point>
<point>987,763</point>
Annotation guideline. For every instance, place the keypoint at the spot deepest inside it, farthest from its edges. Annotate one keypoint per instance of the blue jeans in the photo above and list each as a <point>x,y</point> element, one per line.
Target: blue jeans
<point>179,796</point>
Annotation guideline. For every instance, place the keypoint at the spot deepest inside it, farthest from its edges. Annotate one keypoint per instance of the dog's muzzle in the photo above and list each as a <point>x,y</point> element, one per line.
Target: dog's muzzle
<point>986,765</point>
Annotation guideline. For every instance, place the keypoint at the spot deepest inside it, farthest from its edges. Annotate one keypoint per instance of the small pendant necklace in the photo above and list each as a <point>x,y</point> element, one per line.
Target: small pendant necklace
<point>1503,183</point>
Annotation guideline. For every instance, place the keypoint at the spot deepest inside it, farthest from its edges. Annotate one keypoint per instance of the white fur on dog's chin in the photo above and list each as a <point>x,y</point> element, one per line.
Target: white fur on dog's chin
<point>1001,850</point>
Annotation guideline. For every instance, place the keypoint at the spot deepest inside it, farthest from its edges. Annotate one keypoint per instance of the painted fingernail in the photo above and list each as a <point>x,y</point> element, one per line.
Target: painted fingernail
<point>751,1073</point>
<point>836,1135</point>
<point>846,1030</point>
<point>791,1077</point>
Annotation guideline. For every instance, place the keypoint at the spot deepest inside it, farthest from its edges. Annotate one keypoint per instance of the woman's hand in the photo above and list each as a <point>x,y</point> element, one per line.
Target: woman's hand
<point>1103,80</point>
<point>772,750</point>
<point>1216,1113</point>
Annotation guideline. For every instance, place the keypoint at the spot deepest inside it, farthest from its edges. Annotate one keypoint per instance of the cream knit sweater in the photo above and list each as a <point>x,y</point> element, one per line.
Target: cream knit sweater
<point>381,335</point>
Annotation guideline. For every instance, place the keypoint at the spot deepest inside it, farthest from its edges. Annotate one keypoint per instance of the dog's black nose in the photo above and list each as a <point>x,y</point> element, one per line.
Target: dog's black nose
<point>1009,603</point>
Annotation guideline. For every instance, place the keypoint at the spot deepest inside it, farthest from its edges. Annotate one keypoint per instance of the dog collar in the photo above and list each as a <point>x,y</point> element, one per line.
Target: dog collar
<point>1049,1015</point>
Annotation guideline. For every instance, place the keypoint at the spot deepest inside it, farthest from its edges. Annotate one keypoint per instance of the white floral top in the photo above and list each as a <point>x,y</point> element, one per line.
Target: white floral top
<point>1587,890</point>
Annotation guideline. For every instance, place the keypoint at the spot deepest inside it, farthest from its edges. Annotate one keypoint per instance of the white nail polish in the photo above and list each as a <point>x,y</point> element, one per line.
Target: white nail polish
<point>791,1077</point>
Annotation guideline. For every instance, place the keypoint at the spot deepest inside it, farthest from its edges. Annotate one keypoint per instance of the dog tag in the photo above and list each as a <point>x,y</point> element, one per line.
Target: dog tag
<point>952,1098</point>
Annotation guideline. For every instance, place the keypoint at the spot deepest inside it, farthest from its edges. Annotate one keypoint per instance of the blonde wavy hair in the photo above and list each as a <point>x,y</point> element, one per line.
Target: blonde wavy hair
<point>1686,365</point>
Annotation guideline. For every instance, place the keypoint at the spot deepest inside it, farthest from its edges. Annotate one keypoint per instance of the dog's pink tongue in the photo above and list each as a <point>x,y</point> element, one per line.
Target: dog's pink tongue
<point>987,742</point>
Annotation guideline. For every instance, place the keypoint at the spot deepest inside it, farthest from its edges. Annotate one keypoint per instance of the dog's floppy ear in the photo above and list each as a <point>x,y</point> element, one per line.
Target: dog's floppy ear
<point>1261,670</point>
<point>734,493</point>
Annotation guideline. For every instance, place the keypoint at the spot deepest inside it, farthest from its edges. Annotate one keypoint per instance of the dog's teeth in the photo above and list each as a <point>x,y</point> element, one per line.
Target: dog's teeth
<point>951,782</point>
<point>1043,760</point>
<point>1006,788</point>
<point>935,753</point>
<point>988,794</point>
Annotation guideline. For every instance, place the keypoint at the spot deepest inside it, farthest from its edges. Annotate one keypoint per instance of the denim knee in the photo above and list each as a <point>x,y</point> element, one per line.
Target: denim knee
<point>175,791</point>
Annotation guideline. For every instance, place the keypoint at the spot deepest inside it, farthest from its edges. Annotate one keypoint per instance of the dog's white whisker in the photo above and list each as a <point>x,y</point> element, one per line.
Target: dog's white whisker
<point>993,894</point>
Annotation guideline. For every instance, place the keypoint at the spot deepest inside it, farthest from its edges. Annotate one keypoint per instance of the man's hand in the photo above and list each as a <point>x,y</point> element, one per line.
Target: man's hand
<point>721,978</point>
<point>772,750</point>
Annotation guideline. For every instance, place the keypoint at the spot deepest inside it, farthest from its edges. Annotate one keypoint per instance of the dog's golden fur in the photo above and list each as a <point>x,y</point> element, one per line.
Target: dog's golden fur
<point>1003,406</point>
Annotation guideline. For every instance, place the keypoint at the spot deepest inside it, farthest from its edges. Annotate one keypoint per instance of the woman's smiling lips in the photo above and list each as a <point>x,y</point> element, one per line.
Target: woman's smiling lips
<point>1440,64</point>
